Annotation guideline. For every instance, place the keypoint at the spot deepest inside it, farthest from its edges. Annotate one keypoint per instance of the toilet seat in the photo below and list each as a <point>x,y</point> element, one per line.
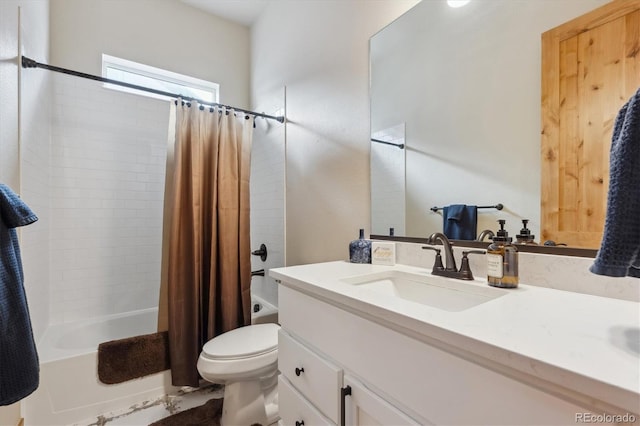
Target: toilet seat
<point>245,353</point>
<point>243,342</point>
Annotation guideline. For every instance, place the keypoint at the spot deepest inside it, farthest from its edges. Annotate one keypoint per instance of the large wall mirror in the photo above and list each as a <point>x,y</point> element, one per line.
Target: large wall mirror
<point>459,89</point>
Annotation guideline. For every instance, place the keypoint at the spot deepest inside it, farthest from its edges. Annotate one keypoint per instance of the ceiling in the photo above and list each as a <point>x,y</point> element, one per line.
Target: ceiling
<point>244,12</point>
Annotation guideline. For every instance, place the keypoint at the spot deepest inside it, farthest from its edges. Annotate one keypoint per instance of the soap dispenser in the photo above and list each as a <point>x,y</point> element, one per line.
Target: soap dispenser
<point>360,250</point>
<point>502,260</point>
<point>525,237</point>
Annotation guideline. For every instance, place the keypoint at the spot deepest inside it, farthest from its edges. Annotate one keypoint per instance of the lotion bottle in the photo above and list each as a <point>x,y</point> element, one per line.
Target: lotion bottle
<point>502,260</point>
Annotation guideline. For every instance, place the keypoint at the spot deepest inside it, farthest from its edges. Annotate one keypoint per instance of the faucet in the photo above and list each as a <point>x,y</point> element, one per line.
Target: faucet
<point>486,233</point>
<point>450,262</point>
<point>450,270</point>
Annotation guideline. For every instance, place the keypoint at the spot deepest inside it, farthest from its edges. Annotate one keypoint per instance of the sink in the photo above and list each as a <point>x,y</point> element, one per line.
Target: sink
<point>438,292</point>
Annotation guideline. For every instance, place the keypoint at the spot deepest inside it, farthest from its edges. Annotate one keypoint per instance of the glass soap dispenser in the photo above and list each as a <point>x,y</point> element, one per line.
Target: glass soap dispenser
<point>502,260</point>
<point>525,237</point>
<point>360,250</point>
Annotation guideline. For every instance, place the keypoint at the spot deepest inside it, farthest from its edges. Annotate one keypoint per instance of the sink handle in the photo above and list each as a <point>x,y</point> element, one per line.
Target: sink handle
<point>437,265</point>
<point>465,270</point>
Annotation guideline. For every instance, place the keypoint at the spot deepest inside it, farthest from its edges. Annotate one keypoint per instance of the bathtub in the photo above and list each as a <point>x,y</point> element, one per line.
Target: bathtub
<point>262,311</point>
<point>70,391</point>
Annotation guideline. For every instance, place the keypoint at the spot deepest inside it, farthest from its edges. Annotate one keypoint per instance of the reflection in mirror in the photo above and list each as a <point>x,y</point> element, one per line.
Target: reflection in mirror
<point>466,83</point>
<point>387,181</point>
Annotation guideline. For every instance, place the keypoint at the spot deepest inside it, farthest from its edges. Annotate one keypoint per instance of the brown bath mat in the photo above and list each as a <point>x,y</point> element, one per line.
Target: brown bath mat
<point>204,415</point>
<point>133,357</point>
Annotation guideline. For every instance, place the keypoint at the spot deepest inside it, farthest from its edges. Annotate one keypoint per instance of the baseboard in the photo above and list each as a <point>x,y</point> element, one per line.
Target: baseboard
<point>21,422</point>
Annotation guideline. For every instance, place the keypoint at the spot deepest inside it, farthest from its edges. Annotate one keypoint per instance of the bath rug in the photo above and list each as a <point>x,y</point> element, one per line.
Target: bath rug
<point>203,415</point>
<point>133,357</point>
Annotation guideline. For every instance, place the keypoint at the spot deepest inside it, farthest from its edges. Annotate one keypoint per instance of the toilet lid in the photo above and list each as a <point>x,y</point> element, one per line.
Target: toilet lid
<point>243,342</point>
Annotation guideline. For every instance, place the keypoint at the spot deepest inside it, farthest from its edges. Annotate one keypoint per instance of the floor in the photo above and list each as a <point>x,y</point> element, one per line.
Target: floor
<point>150,411</point>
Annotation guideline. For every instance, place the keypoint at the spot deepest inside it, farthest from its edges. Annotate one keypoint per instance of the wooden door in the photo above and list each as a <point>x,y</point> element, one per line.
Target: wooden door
<point>590,68</point>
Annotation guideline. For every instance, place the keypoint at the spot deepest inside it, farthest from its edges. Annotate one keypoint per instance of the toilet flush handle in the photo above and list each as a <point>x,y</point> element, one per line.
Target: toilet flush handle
<point>299,371</point>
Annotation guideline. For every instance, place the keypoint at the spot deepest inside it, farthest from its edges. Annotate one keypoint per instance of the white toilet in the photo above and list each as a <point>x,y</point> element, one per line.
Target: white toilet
<point>245,360</point>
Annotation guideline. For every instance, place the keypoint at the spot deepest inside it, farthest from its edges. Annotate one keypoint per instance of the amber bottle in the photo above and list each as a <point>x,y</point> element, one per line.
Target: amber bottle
<point>502,260</point>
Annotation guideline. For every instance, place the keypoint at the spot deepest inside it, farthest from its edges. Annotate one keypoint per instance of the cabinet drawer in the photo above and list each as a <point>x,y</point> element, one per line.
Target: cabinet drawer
<point>295,409</point>
<point>313,376</point>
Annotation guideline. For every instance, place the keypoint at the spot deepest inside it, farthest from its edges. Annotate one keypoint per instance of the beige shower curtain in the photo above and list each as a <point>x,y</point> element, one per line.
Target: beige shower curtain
<point>205,288</point>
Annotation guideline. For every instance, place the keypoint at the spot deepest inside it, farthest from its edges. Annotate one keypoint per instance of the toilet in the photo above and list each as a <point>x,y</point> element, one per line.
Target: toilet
<point>245,360</point>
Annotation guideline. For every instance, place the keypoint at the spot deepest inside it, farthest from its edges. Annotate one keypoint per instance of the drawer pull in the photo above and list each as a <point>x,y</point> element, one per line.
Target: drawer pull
<point>343,396</point>
<point>299,371</point>
<point>300,423</point>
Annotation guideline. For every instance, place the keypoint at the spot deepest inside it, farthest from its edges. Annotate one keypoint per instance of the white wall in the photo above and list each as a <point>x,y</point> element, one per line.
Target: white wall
<point>467,83</point>
<point>167,34</point>
<point>319,51</point>
<point>34,127</point>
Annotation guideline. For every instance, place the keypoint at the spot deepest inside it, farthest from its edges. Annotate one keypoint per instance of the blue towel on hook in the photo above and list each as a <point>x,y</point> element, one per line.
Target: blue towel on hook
<point>619,253</point>
<point>19,367</point>
<point>460,222</point>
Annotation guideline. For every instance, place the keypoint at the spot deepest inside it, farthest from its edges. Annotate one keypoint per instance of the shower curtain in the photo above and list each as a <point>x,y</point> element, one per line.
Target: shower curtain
<point>205,289</point>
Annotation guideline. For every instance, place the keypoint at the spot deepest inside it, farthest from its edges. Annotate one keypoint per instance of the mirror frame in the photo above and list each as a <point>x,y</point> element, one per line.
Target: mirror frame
<point>522,248</point>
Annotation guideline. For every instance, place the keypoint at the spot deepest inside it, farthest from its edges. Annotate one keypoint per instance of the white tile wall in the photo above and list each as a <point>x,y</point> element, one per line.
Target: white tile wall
<point>388,182</point>
<point>267,197</point>
<point>107,185</point>
<point>35,189</point>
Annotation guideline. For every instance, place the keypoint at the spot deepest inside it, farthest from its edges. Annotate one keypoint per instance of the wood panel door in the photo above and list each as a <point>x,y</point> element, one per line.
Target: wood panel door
<point>590,68</point>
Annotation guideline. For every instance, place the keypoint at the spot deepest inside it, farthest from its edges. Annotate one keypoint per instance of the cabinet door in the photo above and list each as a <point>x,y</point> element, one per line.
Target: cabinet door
<point>363,407</point>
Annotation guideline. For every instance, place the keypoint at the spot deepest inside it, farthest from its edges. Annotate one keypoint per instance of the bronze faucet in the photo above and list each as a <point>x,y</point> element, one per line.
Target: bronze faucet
<point>450,262</point>
<point>450,270</point>
<point>486,233</point>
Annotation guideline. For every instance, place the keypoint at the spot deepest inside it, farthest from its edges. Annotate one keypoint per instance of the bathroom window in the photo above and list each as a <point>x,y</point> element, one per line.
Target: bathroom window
<point>156,78</point>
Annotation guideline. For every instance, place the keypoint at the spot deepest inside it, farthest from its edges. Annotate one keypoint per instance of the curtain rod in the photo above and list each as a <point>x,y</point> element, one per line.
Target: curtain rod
<point>497,207</point>
<point>399,145</point>
<point>30,63</point>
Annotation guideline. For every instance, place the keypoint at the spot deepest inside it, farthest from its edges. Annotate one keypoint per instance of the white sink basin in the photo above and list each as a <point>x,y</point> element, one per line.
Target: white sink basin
<point>438,292</point>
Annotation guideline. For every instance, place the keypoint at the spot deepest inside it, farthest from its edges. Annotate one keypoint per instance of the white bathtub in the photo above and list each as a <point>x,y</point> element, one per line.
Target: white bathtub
<point>78,338</point>
<point>70,391</point>
<point>262,311</point>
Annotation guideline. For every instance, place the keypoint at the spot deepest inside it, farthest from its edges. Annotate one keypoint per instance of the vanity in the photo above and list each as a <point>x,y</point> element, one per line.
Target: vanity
<point>393,345</point>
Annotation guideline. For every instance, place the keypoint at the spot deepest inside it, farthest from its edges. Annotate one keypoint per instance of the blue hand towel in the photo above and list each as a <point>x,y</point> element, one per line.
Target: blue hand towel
<point>460,222</point>
<point>619,253</point>
<point>19,367</point>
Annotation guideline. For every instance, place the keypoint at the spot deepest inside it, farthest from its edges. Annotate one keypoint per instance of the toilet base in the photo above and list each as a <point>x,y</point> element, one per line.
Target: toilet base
<point>250,402</point>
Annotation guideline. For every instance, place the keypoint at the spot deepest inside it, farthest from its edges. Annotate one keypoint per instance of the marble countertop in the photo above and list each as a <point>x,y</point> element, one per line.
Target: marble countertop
<point>585,344</point>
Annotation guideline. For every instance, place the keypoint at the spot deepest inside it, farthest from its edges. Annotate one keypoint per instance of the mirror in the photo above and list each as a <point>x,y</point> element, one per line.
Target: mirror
<point>460,88</point>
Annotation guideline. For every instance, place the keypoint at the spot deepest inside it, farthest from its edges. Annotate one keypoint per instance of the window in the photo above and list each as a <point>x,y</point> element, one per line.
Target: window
<point>158,79</point>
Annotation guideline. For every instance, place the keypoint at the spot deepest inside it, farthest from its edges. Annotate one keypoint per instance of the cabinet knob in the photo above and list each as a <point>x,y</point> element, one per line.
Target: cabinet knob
<point>299,371</point>
<point>300,423</point>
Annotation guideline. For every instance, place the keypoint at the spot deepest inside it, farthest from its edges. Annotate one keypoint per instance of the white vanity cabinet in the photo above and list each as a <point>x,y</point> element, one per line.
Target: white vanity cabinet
<point>394,378</point>
<point>312,391</point>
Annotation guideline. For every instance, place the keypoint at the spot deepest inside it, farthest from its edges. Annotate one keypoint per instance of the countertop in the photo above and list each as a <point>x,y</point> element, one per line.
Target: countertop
<point>583,344</point>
